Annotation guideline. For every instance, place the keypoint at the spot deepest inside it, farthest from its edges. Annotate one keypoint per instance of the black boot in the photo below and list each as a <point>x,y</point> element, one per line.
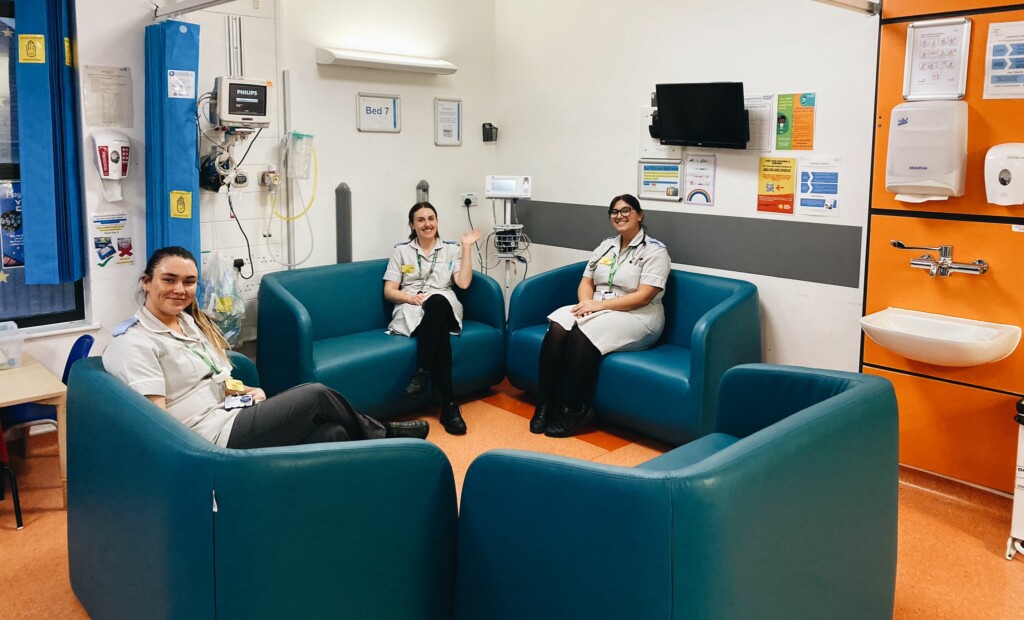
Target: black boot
<point>416,429</point>
<point>451,419</point>
<point>542,416</point>
<point>418,385</point>
<point>566,424</point>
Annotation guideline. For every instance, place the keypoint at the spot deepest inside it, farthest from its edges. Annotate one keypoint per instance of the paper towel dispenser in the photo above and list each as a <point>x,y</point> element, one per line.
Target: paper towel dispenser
<point>927,150</point>
<point>1004,174</point>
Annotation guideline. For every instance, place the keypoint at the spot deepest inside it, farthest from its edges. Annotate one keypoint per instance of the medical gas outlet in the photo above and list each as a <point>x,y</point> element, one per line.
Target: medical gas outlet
<point>927,153</point>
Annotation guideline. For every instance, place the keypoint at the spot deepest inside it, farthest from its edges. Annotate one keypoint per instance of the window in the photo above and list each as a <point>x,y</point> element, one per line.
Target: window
<point>35,304</point>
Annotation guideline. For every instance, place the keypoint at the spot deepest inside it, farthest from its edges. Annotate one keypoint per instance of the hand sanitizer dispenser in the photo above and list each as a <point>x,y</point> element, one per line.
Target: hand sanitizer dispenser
<point>113,153</point>
<point>927,150</point>
<point>1004,174</point>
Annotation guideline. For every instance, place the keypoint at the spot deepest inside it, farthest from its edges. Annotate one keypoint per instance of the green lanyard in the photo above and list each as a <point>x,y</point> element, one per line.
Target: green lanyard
<point>207,359</point>
<point>433,263</point>
<point>614,267</point>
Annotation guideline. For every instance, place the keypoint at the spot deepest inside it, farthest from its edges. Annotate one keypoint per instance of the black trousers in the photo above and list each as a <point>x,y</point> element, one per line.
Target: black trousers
<point>308,413</point>
<point>434,345</point>
<point>568,356</point>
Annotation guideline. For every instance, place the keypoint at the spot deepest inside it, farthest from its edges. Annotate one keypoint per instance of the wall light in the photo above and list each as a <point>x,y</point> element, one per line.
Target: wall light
<point>173,9</point>
<point>375,60</point>
<point>866,7</point>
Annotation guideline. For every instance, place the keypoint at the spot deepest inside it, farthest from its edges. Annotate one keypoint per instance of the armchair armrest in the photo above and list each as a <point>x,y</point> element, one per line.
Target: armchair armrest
<point>535,541</point>
<point>533,299</point>
<point>483,301</point>
<point>375,519</point>
<point>243,369</point>
<point>285,346</point>
<point>726,335</point>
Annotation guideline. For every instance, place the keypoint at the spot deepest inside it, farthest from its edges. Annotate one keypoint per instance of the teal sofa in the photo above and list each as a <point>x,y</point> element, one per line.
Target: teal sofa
<point>326,325</point>
<point>163,524</point>
<point>669,391</point>
<point>786,511</point>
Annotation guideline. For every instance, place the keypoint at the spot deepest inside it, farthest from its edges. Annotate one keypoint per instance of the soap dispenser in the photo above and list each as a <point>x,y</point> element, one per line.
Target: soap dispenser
<point>1004,174</point>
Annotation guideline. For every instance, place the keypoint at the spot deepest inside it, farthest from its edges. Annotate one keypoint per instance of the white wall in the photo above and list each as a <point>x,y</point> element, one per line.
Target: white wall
<point>573,75</point>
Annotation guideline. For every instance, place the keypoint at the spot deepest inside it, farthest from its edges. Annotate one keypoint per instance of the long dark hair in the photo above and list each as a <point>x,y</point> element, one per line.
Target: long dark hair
<point>632,201</point>
<point>203,322</point>
<point>416,207</point>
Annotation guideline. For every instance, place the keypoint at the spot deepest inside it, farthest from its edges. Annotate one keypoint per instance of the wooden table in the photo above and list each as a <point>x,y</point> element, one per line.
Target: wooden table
<point>33,383</point>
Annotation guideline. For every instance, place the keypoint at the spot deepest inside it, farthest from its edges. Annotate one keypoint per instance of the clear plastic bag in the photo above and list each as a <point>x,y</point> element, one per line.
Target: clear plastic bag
<point>220,299</point>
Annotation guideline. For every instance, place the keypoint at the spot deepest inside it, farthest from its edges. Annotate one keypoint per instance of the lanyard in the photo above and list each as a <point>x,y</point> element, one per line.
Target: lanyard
<point>207,359</point>
<point>614,267</point>
<point>433,263</point>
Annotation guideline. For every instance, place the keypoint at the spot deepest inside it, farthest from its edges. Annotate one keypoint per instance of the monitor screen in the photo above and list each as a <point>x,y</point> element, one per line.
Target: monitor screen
<point>709,114</point>
<point>247,99</point>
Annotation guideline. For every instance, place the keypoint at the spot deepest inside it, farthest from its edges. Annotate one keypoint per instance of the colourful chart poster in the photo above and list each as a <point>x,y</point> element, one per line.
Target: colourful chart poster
<point>112,239</point>
<point>12,239</point>
<point>700,180</point>
<point>776,185</point>
<point>819,185</point>
<point>794,129</point>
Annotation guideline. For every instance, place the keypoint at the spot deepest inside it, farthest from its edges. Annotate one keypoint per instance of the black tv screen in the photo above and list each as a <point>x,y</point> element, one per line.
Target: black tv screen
<point>709,115</point>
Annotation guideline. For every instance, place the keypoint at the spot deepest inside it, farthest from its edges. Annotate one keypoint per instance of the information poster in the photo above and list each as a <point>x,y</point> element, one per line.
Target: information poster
<point>1004,62</point>
<point>107,96</point>
<point>759,108</point>
<point>819,185</point>
<point>794,128</point>
<point>12,238</point>
<point>936,61</point>
<point>447,122</point>
<point>112,239</point>
<point>776,185</point>
<point>659,180</point>
<point>699,178</point>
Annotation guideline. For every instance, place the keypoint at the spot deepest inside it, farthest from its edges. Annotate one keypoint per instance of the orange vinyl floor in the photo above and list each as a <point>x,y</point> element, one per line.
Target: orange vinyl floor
<point>952,538</point>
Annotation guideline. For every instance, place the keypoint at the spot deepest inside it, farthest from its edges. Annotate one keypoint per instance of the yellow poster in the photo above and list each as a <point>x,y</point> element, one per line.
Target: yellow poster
<point>181,204</point>
<point>32,48</point>
<point>776,185</point>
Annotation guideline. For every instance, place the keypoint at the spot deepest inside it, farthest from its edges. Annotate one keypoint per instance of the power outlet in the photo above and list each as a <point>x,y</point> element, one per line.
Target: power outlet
<point>471,197</point>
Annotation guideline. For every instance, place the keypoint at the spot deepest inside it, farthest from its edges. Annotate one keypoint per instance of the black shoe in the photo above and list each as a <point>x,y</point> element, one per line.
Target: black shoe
<point>451,419</point>
<point>418,385</point>
<point>542,416</point>
<point>566,424</point>
<point>417,429</point>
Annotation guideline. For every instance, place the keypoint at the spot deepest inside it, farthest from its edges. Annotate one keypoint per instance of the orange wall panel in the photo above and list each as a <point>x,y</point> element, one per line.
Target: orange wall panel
<point>996,296</point>
<point>956,431</point>
<point>990,121</point>
<point>909,8</point>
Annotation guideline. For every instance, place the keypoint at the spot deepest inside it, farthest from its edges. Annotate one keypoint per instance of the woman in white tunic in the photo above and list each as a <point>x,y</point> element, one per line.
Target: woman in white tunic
<point>418,280</point>
<point>619,309</point>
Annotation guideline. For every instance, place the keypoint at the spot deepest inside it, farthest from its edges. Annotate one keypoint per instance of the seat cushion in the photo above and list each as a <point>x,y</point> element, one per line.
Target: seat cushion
<point>691,453</point>
<point>371,369</point>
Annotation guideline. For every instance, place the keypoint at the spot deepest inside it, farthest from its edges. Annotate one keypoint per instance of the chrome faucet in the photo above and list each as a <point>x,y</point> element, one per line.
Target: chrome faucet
<point>943,265</point>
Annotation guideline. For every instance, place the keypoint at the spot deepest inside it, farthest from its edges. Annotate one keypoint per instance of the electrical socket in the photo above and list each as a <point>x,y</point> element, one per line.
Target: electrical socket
<point>471,197</point>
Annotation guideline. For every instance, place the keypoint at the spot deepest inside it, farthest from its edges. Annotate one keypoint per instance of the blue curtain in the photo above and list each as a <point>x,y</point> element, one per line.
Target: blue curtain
<point>50,155</point>
<point>172,175</point>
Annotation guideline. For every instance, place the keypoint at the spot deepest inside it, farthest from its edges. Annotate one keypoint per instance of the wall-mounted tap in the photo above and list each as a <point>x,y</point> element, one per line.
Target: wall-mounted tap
<point>943,265</point>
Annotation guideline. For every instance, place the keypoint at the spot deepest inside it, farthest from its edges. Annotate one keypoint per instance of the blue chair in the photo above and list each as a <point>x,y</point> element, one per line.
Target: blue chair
<point>19,418</point>
<point>326,325</point>
<point>787,510</point>
<point>669,391</point>
<point>164,524</point>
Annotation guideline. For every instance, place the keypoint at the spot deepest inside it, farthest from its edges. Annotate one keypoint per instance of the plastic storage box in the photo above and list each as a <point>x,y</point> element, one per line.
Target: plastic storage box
<point>11,340</point>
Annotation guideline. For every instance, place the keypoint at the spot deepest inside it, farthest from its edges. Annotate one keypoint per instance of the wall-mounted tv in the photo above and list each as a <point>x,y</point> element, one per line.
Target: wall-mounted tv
<point>707,114</point>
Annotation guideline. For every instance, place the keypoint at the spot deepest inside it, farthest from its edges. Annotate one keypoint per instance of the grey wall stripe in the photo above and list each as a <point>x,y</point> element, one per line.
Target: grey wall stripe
<point>823,253</point>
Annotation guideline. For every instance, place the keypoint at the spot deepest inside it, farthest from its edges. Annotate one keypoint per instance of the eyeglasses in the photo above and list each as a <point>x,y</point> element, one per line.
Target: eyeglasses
<point>624,212</point>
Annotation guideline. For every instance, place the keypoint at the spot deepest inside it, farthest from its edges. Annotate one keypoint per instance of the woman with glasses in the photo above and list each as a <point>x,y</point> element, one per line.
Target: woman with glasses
<point>619,309</point>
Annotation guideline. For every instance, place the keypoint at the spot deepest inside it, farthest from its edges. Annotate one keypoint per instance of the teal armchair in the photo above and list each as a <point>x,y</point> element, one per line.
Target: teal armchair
<point>326,325</point>
<point>163,524</point>
<point>669,391</point>
<point>786,511</point>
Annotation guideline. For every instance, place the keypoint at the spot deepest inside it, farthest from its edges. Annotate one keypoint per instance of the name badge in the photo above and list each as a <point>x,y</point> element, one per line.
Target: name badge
<point>607,260</point>
<point>407,269</point>
<point>607,295</point>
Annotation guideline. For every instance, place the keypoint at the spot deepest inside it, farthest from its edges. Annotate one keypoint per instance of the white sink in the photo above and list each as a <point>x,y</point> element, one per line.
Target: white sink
<point>940,339</point>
